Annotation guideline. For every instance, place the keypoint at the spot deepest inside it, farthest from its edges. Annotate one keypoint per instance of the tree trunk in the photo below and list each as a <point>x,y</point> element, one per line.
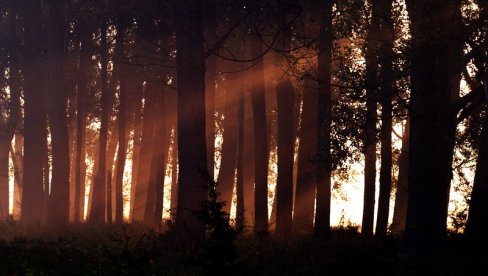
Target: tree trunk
<point>4,177</point>
<point>136,145</point>
<point>154,200</point>
<point>240,160</point>
<point>261,151</point>
<point>98,210</point>
<point>478,208</point>
<point>386,75</point>
<point>303,214</point>
<point>58,210</point>
<point>324,121</point>
<point>437,62</point>
<point>371,83</point>
<point>226,178</point>
<point>192,153</point>
<point>401,196</point>
<point>9,125</point>
<point>17,160</point>
<point>286,146</point>
<point>146,152</point>
<point>249,159</point>
<point>210,94</point>
<point>174,173</point>
<point>80,160</point>
<point>34,112</point>
<point>122,150</point>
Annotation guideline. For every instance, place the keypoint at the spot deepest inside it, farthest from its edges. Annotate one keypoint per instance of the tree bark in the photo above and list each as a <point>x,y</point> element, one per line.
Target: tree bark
<point>261,151</point>
<point>192,152</point>
<point>386,86</point>
<point>58,209</point>
<point>240,217</point>
<point>437,62</point>
<point>122,149</point>
<point>286,146</point>
<point>34,112</point>
<point>324,121</point>
<point>303,214</point>
<point>146,152</point>
<point>478,208</point>
<point>80,159</point>
<point>226,177</point>
<point>99,204</point>
<point>401,196</point>
<point>154,200</point>
<point>371,83</point>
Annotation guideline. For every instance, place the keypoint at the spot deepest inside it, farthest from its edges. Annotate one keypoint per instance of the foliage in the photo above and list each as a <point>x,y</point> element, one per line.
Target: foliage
<point>218,251</point>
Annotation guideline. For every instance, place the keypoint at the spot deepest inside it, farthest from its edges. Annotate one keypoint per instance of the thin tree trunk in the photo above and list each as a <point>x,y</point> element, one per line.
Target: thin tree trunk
<point>226,177</point>
<point>401,196</point>
<point>17,160</point>
<point>261,151</point>
<point>286,146</point>
<point>240,160</point>
<point>4,177</point>
<point>303,214</point>
<point>249,159</point>
<point>174,173</point>
<point>98,210</point>
<point>324,158</point>
<point>146,152</point>
<point>386,75</point>
<point>122,149</point>
<point>84,60</point>
<point>371,83</point>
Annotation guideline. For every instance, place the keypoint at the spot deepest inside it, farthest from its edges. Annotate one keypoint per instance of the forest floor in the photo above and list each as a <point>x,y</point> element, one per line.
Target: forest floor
<point>135,250</point>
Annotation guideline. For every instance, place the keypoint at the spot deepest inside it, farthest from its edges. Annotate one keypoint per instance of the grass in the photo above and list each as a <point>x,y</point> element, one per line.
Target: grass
<point>135,250</point>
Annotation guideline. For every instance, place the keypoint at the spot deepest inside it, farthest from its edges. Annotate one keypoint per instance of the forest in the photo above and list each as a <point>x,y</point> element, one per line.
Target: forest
<point>275,137</point>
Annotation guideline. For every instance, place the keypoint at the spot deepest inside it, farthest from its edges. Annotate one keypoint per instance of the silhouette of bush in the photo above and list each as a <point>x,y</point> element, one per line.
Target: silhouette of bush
<point>218,252</point>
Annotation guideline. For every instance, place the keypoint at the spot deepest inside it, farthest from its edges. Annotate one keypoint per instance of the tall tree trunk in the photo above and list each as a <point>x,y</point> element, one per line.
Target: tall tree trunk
<point>97,214</point>
<point>146,152</point>
<point>174,172</point>
<point>17,160</point>
<point>192,152</point>
<point>58,210</point>
<point>261,151</point>
<point>135,91</point>
<point>4,177</point>
<point>324,121</point>
<point>240,159</point>
<point>210,94</point>
<point>154,199</point>
<point>437,62</point>
<point>371,83</point>
<point>9,125</point>
<point>249,158</point>
<point>478,208</point>
<point>401,196</point>
<point>386,75</point>
<point>226,177</point>
<point>286,146</point>
<point>33,112</point>
<point>84,59</point>
<point>46,169</point>
<point>303,214</point>
<point>122,149</point>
